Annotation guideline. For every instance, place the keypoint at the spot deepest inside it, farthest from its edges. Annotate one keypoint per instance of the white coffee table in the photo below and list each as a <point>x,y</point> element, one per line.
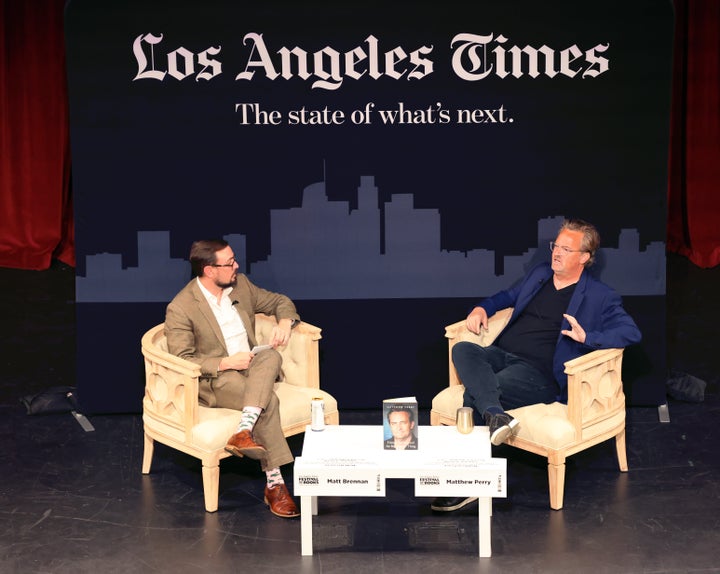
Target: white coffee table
<point>349,460</point>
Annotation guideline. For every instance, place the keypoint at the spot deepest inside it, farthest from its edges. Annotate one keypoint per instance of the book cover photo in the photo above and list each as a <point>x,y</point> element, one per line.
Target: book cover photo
<point>400,417</point>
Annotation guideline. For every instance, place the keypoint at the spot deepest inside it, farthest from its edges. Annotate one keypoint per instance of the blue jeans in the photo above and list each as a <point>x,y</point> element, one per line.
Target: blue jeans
<point>496,378</point>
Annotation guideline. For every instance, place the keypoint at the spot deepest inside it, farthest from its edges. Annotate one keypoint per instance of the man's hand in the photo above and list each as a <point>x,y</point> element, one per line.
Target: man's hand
<point>476,319</point>
<point>576,332</point>
<point>281,333</point>
<point>239,361</point>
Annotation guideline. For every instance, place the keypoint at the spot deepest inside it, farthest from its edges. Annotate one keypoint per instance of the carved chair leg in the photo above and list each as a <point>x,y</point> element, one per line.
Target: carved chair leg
<point>556,483</point>
<point>620,448</point>
<point>211,484</point>
<point>148,449</point>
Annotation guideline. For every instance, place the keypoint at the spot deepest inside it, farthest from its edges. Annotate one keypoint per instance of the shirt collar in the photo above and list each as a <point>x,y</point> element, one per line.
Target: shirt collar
<point>209,296</point>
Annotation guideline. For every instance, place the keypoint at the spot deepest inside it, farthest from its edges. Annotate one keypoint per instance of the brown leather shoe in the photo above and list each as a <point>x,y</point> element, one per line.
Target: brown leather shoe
<point>242,444</point>
<point>280,502</point>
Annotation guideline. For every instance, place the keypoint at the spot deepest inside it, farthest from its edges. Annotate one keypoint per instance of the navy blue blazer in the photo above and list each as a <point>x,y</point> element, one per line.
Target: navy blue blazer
<point>597,307</point>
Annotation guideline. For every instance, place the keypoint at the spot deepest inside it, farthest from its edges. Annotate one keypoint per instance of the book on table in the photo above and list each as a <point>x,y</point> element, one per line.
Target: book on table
<point>400,416</point>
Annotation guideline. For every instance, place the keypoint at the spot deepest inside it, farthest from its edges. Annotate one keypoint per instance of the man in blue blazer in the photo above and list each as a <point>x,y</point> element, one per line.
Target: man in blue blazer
<point>559,313</point>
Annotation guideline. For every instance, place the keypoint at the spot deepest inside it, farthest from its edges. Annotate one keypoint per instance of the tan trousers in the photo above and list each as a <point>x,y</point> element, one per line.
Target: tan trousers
<point>254,387</point>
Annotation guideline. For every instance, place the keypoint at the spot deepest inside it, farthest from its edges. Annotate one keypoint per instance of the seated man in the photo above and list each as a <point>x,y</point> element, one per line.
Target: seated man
<point>212,323</point>
<point>560,312</point>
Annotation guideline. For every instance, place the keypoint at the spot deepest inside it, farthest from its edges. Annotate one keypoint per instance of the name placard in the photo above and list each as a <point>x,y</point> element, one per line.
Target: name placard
<point>462,477</point>
<point>338,476</point>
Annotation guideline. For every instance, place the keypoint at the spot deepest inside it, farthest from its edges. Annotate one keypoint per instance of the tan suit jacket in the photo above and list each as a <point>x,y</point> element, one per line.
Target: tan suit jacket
<point>193,332</point>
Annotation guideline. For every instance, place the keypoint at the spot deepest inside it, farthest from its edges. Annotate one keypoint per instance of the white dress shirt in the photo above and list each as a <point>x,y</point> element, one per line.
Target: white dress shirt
<point>232,327</point>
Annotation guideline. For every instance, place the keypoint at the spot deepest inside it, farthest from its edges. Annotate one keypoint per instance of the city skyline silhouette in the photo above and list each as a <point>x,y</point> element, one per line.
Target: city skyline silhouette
<point>325,250</point>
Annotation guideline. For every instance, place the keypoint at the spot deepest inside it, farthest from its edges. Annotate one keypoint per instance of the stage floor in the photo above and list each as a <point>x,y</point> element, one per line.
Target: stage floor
<point>73,501</point>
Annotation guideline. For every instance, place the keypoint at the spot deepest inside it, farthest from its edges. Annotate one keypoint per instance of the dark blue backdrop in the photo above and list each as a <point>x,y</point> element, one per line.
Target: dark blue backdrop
<point>382,232</point>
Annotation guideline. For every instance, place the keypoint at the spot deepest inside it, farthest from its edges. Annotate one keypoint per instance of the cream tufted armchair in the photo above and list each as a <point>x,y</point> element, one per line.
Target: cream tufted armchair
<point>172,415</point>
<point>595,411</point>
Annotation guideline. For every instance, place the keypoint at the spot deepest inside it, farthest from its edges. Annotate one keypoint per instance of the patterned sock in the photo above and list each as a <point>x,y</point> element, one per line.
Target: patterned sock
<point>249,417</point>
<point>274,477</point>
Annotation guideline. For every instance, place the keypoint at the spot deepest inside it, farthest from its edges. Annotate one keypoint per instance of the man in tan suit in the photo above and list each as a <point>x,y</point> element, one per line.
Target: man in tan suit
<point>212,323</point>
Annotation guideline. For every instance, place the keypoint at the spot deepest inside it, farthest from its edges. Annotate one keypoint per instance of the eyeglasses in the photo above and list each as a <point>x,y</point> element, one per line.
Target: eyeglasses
<point>564,249</point>
<point>230,263</point>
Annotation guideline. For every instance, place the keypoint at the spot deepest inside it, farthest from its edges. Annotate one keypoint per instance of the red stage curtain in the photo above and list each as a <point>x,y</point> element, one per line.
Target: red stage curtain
<point>36,223</point>
<point>694,182</point>
<point>35,206</point>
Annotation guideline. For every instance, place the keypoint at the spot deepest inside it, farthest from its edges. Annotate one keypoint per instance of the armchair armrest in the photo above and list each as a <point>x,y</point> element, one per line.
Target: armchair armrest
<point>171,384</point>
<point>301,363</point>
<point>458,332</point>
<point>595,389</point>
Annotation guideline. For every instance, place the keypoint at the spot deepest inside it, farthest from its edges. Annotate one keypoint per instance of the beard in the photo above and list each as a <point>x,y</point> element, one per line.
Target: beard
<point>226,284</point>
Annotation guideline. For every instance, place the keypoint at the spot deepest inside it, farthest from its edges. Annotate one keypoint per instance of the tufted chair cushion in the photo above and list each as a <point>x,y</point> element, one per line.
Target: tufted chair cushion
<point>540,423</point>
